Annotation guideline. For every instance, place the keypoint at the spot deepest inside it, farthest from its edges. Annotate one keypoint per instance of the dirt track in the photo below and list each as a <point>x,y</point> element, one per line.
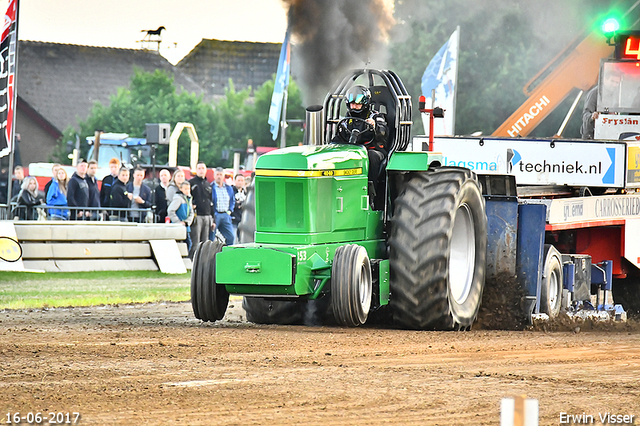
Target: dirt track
<point>156,364</point>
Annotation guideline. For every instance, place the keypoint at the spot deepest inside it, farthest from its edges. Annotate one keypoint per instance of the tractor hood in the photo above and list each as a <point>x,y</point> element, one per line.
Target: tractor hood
<point>314,194</point>
<point>351,159</point>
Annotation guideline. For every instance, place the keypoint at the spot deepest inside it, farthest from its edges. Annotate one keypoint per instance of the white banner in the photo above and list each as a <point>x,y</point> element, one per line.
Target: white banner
<point>440,75</point>
<point>590,209</point>
<point>618,127</point>
<point>536,162</point>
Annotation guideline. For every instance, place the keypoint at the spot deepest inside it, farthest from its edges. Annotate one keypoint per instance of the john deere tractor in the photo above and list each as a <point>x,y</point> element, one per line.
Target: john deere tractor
<point>321,243</point>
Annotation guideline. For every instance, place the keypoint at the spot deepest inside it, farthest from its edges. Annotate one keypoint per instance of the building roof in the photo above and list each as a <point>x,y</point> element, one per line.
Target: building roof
<point>63,81</point>
<point>213,62</point>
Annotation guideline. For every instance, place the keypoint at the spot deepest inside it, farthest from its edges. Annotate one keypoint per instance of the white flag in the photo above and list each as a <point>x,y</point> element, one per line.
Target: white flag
<point>441,75</point>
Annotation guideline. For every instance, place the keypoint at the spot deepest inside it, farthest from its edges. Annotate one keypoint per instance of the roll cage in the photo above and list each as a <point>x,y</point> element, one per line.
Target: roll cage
<point>388,96</point>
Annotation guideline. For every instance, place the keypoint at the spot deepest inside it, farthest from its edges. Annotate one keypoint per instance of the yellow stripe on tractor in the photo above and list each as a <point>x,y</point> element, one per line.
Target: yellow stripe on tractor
<point>309,173</point>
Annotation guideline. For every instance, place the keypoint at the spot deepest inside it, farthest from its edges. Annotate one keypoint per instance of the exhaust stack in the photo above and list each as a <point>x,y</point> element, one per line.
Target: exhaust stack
<point>314,131</point>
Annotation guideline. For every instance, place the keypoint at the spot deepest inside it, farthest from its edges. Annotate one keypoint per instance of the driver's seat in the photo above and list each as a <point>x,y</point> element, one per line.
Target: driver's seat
<point>383,102</point>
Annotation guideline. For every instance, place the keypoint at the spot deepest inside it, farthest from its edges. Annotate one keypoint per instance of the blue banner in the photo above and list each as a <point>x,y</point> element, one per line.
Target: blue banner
<point>282,81</point>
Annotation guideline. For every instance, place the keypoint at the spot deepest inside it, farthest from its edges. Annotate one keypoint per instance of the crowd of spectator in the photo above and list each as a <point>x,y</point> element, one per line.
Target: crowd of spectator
<point>205,208</point>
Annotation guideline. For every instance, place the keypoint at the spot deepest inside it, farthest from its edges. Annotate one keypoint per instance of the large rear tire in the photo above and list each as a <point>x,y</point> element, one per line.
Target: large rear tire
<point>260,310</point>
<point>552,282</point>
<point>438,242</point>
<point>351,285</point>
<point>208,300</point>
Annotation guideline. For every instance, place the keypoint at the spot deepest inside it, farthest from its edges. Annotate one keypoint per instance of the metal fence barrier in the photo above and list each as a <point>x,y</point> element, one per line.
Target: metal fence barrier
<point>89,214</point>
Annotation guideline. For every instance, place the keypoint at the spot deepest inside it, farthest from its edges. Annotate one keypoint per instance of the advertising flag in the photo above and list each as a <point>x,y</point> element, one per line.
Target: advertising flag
<point>7,77</point>
<point>441,75</point>
<point>282,81</point>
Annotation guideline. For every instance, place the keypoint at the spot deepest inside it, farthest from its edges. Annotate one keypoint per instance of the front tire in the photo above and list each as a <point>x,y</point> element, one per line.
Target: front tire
<point>438,242</point>
<point>351,285</point>
<point>208,300</point>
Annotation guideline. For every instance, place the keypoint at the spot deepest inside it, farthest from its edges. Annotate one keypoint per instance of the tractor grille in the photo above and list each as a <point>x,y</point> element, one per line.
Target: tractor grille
<point>281,205</point>
<point>267,204</point>
<point>294,207</point>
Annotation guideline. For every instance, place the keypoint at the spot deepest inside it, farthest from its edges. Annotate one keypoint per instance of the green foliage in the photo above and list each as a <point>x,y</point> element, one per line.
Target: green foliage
<point>152,98</point>
<point>257,124</point>
<point>221,128</point>
<point>230,131</point>
<point>491,83</point>
<point>502,45</point>
<point>490,73</point>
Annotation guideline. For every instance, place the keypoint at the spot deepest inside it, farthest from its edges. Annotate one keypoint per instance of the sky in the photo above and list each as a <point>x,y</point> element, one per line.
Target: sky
<point>118,23</point>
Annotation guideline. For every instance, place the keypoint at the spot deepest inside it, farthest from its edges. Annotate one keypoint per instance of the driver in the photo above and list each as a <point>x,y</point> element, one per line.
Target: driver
<point>364,126</point>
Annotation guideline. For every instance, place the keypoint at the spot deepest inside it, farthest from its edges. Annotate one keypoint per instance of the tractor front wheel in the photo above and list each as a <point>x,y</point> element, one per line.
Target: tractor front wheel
<point>208,300</point>
<point>437,242</point>
<point>351,285</point>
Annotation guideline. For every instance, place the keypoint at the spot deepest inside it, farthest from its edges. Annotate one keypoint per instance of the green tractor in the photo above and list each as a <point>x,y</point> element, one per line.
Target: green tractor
<point>417,258</point>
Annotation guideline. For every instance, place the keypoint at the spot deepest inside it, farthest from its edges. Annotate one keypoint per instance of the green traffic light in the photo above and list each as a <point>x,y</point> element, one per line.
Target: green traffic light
<point>611,25</point>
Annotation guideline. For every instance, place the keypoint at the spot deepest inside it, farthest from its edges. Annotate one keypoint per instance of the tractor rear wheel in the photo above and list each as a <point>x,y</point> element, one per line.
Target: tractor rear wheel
<point>551,286</point>
<point>260,310</point>
<point>351,285</point>
<point>209,300</point>
<point>438,242</point>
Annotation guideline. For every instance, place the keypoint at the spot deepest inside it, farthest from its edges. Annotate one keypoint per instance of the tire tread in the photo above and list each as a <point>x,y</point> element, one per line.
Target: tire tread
<point>419,242</point>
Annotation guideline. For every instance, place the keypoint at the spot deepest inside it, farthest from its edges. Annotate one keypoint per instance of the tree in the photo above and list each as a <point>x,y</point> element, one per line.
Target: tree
<point>221,128</point>
<point>229,132</point>
<point>491,72</point>
<point>238,118</point>
<point>256,118</point>
<point>151,98</point>
<point>503,44</point>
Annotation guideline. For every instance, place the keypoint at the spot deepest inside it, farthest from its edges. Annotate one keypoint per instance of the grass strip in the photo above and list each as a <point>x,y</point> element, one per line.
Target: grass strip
<point>22,290</point>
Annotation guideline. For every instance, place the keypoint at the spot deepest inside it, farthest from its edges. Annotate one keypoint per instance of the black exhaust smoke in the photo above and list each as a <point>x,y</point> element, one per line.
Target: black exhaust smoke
<point>332,36</point>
